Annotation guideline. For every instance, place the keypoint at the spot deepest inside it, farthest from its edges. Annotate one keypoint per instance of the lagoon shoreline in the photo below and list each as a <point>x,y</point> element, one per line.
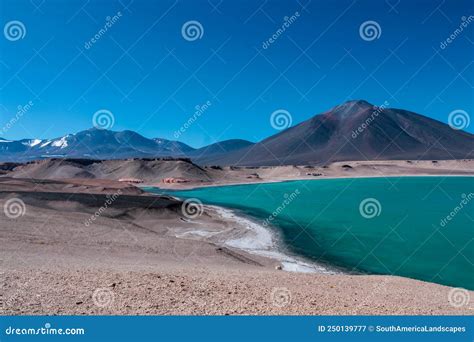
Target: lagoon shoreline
<point>329,239</point>
<point>143,252</point>
<point>230,176</point>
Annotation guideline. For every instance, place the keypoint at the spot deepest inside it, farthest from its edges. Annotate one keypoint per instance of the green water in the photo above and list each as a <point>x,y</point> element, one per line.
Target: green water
<point>322,220</point>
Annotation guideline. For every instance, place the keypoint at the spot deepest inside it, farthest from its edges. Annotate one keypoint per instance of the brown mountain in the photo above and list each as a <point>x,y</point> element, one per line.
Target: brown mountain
<point>356,130</point>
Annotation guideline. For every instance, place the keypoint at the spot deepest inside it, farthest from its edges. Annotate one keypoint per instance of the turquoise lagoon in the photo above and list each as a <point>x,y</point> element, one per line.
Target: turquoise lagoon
<point>417,227</point>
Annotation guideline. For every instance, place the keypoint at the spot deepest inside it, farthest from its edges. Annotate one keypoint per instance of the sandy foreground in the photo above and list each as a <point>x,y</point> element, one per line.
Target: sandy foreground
<point>141,255</point>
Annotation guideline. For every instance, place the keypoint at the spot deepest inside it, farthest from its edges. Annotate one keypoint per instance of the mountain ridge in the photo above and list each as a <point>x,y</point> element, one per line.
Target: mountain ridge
<point>382,134</point>
<point>353,130</point>
<point>98,143</point>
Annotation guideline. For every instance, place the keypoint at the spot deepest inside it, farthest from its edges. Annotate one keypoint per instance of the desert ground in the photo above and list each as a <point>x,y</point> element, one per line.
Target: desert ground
<point>82,242</point>
<point>353,169</point>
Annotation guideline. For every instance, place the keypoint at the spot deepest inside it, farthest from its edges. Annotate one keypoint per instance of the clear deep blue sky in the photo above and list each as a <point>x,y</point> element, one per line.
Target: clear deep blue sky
<point>150,78</point>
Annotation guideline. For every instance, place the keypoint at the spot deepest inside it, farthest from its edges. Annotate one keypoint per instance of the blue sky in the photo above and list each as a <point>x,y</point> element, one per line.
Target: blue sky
<point>151,79</point>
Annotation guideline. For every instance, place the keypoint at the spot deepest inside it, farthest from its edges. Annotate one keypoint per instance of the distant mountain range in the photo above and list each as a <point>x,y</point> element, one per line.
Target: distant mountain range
<point>97,143</point>
<point>355,130</point>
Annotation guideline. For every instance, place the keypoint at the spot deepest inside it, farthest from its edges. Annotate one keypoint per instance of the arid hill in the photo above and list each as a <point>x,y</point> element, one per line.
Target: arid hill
<point>147,170</point>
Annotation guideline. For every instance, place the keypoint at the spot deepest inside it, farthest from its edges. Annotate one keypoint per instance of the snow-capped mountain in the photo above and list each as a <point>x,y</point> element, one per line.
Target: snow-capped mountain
<point>92,143</point>
<point>354,130</point>
<point>104,144</point>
